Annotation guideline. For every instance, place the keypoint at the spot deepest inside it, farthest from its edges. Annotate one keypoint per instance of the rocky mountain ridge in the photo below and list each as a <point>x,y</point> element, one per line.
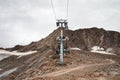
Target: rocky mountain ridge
<point>84,39</point>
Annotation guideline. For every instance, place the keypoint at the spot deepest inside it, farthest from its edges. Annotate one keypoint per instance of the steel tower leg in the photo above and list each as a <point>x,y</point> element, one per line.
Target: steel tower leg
<point>61,47</point>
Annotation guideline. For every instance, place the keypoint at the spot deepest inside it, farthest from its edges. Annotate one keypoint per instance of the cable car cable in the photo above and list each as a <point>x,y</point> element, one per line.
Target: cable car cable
<point>67,9</point>
<point>53,9</point>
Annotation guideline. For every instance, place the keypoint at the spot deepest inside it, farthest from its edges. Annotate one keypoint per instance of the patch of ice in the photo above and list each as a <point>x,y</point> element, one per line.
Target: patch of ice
<point>6,73</point>
<point>75,48</point>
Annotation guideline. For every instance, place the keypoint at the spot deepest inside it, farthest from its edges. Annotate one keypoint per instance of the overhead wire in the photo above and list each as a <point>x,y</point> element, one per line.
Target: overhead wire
<point>53,9</point>
<point>67,9</point>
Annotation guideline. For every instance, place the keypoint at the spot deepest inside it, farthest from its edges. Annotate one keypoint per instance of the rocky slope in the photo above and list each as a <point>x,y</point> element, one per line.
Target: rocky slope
<point>78,64</point>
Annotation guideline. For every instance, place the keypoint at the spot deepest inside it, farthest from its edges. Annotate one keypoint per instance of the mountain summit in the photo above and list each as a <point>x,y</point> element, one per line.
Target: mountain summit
<point>84,39</point>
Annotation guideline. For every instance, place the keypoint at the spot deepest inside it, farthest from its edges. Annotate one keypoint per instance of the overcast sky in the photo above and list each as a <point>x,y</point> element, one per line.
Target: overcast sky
<point>24,21</point>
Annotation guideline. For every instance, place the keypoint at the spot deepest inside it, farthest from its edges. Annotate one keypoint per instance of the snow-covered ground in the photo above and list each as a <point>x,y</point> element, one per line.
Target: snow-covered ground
<point>103,52</point>
<point>16,53</point>
<point>98,49</point>
<point>75,48</point>
<point>8,72</point>
<point>2,56</point>
<point>5,54</point>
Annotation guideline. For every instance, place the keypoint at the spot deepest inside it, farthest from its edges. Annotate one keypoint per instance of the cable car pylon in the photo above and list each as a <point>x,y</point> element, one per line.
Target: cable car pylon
<point>62,40</point>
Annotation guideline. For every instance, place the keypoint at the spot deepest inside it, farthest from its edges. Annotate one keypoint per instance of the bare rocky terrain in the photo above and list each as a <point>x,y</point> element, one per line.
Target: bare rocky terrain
<point>78,64</point>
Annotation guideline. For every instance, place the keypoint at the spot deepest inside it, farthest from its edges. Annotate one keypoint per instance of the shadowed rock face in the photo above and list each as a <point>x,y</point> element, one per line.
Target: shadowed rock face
<point>99,37</point>
<point>81,38</point>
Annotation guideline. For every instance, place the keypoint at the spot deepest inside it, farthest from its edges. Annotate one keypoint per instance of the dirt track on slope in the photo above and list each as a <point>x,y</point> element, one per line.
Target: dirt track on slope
<point>83,68</point>
<point>65,71</point>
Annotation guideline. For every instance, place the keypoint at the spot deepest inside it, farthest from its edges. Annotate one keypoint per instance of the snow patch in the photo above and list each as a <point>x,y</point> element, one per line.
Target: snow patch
<point>75,49</point>
<point>5,54</point>
<point>98,49</point>
<point>17,53</point>
<point>22,53</point>
<point>2,56</point>
<point>6,73</point>
<point>104,52</point>
<point>109,50</point>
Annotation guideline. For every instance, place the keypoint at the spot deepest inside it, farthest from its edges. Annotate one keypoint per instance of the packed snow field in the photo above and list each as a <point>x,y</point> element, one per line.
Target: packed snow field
<point>5,54</point>
<point>98,49</point>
